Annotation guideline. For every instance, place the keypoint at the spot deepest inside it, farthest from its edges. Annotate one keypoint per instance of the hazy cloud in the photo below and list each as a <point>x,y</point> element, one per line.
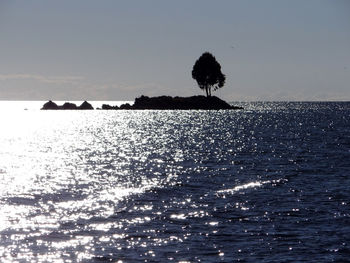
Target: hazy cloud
<point>43,79</point>
<point>41,87</point>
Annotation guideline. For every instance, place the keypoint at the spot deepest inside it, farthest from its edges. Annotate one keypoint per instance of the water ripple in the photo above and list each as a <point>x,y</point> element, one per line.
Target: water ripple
<point>269,183</point>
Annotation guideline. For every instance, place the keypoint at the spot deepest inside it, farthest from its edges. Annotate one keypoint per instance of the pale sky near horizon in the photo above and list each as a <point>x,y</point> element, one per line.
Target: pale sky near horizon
<point>118,50</point>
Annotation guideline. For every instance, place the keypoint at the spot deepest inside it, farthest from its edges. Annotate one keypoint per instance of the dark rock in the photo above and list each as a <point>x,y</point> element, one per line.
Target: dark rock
<point>174,103</point>
<point>50,106</point>
<point>109,107</point>
<point>68,106</point>
<point>182,103</point>
<point>86,106</point>
<point>126,106</point>
<point>154,103</point>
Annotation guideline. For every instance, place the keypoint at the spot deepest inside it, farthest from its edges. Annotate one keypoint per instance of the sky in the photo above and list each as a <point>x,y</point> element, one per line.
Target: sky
<point>271,50</point>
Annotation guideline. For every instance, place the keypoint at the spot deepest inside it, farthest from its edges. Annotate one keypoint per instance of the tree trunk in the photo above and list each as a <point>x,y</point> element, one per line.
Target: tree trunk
<point>206,90</point>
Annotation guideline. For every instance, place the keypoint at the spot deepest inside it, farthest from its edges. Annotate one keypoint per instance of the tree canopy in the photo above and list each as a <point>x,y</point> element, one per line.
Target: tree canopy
<point>207,72</point>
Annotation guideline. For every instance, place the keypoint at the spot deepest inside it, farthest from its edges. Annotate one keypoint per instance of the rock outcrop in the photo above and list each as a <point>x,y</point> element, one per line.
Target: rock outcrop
<point>175,103</point>
<point>67,106</point>
<point>86,106</point>
<point>109,107</point>
<point>50,106</point>
<point>181,103</point>
<point>154,103</point>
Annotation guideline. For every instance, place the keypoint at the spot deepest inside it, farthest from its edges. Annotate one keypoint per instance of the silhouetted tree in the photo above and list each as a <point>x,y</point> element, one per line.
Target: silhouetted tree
<point>207,72</point>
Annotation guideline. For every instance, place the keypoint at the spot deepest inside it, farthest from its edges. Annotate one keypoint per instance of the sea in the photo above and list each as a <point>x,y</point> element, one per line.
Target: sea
<point>269,183</point>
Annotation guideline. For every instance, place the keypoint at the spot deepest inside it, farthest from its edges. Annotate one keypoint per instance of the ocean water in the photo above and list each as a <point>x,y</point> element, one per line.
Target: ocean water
<point>269,183</point>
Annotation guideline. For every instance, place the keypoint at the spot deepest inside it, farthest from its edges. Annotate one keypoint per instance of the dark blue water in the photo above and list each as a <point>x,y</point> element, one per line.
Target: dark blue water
<point>266,184</point>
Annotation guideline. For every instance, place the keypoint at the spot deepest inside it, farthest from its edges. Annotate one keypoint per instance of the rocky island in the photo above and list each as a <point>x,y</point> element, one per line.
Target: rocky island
<point>206,71</point>
<point>154,103</point>
<point>175,103</point>
<point>50,105</point>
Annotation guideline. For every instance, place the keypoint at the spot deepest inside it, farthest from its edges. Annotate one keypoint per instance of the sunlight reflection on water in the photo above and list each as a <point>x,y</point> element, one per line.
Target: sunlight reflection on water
<point>61,168</point>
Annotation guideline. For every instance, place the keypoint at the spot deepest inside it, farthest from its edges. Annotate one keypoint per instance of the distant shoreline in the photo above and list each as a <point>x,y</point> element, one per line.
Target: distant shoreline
<point>153,103</point>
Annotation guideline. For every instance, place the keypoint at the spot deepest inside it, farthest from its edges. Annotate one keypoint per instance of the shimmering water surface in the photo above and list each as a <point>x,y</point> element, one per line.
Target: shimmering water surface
<point>266,184</point>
